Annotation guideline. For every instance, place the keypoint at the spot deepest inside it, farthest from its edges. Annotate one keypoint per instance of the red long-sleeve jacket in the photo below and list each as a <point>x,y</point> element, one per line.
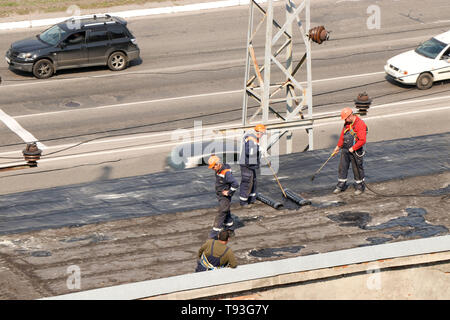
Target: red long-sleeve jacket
<point>360,131</point>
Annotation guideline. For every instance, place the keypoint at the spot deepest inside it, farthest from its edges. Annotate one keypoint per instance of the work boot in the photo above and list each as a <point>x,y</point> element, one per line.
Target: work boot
<point>359,189</point>
<point>247,206</point>
<point>340,187</point>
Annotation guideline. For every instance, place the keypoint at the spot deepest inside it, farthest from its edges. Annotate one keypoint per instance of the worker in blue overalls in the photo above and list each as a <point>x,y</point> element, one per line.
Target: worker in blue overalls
<point>249,162</point>
<point>226,186</point>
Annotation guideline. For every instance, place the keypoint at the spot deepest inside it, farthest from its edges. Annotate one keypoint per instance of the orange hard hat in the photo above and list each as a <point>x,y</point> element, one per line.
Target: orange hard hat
<point>346,112</point>
<point>260,128</point>
<point>212,161</point>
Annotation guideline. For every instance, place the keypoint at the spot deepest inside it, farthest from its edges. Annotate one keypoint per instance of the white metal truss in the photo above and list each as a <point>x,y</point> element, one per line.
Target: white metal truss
<point>272,87</point>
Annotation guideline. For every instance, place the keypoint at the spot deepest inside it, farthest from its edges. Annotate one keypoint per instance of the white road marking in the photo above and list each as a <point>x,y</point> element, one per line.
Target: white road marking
<point>130,103</point>
<point>156,71</point>
<point>234,125</point>
<point>441,21</point>
<point>349,77</point>
<point>202,95</point>
<point>398,103</point>
<point>177,143</point>
<point>19,130</point>
<point>171,144</point>
<point>339,1</point>
<point>386,116</point>
<point>99,153</point>
<point>181,68</point>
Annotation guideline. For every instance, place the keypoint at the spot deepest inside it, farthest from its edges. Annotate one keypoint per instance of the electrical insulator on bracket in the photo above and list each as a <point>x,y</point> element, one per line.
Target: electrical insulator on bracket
<point>32,154</point>
<point>362,103</point>
<point>318,34</point>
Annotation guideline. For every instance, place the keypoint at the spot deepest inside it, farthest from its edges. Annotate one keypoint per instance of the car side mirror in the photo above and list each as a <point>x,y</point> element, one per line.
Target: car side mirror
<point>62,45</point>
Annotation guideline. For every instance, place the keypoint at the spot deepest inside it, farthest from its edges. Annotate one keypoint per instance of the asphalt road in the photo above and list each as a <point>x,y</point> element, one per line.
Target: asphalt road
<point>192,69</point>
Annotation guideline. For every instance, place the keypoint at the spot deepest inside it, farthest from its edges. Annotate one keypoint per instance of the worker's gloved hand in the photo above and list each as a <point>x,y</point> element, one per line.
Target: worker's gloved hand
<point>336,150</point>
<point>228,193</point>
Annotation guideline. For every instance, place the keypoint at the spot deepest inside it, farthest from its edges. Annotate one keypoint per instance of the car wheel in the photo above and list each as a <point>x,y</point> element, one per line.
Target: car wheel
<point>117,61</point>
<point>43,69</point>
<point>424,81</point>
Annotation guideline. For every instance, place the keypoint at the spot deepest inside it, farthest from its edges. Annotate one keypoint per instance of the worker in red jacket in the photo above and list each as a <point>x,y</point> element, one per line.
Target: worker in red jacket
<point>351,142</point>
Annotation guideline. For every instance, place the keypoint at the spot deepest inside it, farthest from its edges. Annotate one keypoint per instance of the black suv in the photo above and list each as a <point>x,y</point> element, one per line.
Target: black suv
<point>76,42</point>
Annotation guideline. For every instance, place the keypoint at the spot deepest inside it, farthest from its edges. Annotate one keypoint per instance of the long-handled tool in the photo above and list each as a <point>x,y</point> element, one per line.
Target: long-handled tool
<point>275,175</point>
<point>288,194</point>
<point>323,165</point>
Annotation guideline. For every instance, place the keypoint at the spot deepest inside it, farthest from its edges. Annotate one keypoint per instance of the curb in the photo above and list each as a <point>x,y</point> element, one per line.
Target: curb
<point>133,13</point>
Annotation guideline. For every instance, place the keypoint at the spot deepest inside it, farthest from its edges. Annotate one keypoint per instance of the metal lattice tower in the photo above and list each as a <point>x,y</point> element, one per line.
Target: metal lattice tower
<point>260,81</point>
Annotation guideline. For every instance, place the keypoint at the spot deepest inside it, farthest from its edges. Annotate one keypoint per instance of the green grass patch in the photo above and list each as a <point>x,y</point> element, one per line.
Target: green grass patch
<point>9,4</point>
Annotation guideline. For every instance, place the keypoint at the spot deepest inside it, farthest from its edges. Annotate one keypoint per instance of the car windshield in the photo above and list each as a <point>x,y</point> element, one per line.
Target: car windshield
<point>431,48</point>
<point>53,35</point>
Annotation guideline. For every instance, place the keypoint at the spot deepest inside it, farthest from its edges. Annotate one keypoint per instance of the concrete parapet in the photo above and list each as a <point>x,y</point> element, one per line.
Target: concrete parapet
<point>358,272</point>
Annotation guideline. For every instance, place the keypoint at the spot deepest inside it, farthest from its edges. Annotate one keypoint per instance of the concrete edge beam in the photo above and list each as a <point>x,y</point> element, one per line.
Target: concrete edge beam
<point>261,270</point>
<point>303,277</point>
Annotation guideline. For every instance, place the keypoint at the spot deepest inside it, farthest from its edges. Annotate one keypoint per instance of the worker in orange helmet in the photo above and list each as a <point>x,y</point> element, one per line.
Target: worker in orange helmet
<point>351,142</point>
<point>225,187</point>
<point>250,162</point>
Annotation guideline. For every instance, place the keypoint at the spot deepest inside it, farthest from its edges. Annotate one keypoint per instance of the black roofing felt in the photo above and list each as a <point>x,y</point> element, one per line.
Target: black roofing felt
<point>169,192</point>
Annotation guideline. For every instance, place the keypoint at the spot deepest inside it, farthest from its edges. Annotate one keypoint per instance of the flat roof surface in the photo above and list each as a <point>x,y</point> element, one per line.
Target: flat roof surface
<point>261,270</point>
<point>151,227</point>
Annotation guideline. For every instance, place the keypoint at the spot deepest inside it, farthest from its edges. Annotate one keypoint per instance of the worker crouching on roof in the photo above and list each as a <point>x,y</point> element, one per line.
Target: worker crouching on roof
<point>226,185</point>
<point>215,254</point>
<point>250,162</point>
<point>351,141</point>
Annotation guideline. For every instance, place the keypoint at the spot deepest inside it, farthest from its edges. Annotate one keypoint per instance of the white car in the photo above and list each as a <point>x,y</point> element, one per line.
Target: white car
<point>426,64</point>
